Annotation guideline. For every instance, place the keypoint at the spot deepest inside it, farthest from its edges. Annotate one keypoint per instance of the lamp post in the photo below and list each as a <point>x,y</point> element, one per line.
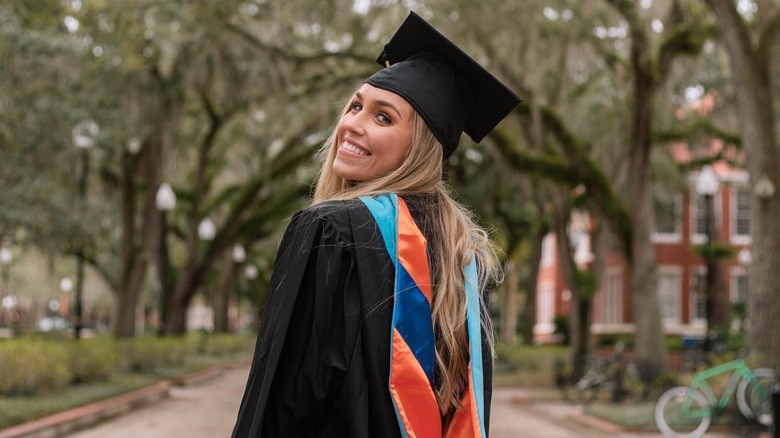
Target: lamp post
<point>165,201</point>
<point>707,187</point>
<point>83,138</point>
<point>66,286</point>
<point>206,232</point>
<point>239,255</point>
<point>745,258</point>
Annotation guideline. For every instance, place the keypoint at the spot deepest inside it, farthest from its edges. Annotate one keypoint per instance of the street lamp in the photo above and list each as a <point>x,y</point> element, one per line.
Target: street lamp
<point>66,286</point>
<point>165,201</point>
<point>251,273</point>
<point>239,255</point>
<point>83,134</point>
<point>206,229</point>
<point>707,186</point>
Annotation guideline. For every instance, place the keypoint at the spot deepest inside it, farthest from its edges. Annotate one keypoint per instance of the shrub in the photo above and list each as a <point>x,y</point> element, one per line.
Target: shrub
<point>92,359</point>
<point>151,353</point>
<point>226,344</point>
<point>32,366</point>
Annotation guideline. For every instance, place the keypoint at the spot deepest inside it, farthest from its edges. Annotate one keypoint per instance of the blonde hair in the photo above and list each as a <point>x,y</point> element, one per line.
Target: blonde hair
<point>453,238</point>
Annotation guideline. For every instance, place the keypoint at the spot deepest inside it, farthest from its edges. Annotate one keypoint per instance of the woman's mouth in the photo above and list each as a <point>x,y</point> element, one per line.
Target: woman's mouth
<point>349,147</point>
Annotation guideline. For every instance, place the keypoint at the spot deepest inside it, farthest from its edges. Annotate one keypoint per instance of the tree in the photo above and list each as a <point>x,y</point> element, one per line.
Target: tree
<point>751,44</point>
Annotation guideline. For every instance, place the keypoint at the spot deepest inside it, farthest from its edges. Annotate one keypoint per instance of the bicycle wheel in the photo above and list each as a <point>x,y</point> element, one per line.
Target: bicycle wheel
<point>675,422</point>
<point>755,401</point>
<point>586,389</point>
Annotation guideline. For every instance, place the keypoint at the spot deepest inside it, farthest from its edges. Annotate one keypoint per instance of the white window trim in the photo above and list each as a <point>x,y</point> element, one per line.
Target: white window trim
<point>701,238</point>
<point>734,272</point>
<point>695,269</point>
<point>737,239</point>
<point>672,269</point>
<point>675,237</point>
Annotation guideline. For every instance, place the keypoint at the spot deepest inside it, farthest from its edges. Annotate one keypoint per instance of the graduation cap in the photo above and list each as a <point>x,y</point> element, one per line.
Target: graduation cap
<point>451,91</point>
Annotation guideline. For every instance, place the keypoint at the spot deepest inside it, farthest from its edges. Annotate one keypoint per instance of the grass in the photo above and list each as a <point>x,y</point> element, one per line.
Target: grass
<point>19,409</point>
<point>527,365</point>
<point>16,410</point>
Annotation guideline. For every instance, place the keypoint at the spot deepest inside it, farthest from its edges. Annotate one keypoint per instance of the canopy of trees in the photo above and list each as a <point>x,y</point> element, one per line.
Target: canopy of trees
<point>103,101</point>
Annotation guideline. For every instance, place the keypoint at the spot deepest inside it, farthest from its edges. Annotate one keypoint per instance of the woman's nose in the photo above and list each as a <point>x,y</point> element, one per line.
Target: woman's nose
<point>354,122</point>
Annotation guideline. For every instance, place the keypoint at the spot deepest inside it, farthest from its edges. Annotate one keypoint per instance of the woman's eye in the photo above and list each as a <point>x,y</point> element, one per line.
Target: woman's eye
<point>356,106</point>
<point>383,118</point>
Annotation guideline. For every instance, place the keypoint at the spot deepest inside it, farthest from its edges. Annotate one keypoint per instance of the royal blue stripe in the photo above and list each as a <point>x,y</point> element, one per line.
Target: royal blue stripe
<point>413,320</point>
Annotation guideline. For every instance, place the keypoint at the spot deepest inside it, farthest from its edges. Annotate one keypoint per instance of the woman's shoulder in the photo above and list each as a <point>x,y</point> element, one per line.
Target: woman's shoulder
<point>343,215</point>
<point>335,209</point>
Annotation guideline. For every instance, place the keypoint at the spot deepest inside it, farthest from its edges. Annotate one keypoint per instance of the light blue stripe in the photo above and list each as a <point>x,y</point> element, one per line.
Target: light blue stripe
<point>384,208</point>
<point>475,340</point>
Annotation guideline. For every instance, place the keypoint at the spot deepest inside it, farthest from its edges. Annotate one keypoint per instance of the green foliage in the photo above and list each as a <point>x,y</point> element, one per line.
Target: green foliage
<point>151,353</point>
<point>92,359</point>
<point>33,366</point>
<point>715,250</point>
<point>227,344</point>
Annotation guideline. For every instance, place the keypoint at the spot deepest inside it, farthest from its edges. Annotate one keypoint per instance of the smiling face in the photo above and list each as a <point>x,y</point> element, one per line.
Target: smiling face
<point>373,136</point>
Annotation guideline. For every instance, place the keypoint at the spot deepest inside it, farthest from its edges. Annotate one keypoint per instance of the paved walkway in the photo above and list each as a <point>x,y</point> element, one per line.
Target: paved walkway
<point>208,410</point>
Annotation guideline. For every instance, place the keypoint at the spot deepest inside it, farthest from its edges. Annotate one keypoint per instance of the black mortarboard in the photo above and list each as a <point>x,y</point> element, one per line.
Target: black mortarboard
<point>451,91</point>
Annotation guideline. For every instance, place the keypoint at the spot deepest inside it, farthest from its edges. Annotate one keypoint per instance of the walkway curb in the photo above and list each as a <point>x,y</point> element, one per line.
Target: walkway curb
<point>64,422</point>
<point>78,418</point>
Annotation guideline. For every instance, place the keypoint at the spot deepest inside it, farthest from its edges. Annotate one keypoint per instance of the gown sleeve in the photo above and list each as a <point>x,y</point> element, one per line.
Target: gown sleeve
<point>308,333</point>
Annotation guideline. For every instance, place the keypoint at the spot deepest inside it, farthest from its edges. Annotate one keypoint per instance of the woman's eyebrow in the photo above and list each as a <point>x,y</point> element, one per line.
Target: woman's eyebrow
<point>383,103</point>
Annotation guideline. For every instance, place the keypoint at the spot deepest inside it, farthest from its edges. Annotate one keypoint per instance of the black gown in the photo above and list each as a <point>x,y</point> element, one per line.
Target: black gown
<point>322,360</point>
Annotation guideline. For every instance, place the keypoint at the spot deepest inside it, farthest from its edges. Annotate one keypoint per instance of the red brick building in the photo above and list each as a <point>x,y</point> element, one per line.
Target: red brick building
<point>679,227</point>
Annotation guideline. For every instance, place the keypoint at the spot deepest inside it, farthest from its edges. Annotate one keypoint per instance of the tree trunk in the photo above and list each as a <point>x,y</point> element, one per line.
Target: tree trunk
<point>752,80</point>
<point>579,327</point>
<point>225,289</point>
<point>509,319</point>
<point>649,338</point>
<point>528,317</point>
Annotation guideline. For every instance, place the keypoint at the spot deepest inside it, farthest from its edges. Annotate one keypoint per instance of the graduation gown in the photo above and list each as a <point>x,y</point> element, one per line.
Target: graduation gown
<point>322,360</point>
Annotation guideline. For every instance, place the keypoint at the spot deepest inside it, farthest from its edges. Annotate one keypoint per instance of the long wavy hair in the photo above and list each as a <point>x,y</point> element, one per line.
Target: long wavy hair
<point>453,238</point>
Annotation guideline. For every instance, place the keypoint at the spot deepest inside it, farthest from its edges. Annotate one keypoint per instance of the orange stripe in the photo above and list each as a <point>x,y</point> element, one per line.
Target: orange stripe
<point>415,400</point>
<point>411,250</point>
<point>465,422</point>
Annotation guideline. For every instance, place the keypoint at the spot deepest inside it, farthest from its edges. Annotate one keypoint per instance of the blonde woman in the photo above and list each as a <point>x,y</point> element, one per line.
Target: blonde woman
<point>375,325</point>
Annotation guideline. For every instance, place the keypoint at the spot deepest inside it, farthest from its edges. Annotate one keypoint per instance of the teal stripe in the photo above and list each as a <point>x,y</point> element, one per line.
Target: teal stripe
<point>475,340</point>
<point>384,208</point>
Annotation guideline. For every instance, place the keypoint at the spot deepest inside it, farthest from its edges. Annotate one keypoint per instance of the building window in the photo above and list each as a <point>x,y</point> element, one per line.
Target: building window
<point>669,295</point>
<point>613,296</point>
<point>698,296</point>
<point>698,217</point>
<point>740,224</point>
<point>739,287</point>
<point>667,209</point>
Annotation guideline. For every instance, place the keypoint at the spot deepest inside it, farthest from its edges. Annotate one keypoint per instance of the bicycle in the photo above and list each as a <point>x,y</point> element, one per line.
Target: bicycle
<point>623,376</point>
<point>687,411</point>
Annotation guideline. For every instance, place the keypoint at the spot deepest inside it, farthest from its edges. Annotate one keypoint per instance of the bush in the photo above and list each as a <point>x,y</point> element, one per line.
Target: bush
<point>151,353</point>
<point>227,344</point>
<point>92,360</point>
<point>32,366</point>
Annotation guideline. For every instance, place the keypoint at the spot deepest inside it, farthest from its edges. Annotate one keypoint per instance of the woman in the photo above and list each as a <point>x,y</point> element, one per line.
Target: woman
<point>374,326</point>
